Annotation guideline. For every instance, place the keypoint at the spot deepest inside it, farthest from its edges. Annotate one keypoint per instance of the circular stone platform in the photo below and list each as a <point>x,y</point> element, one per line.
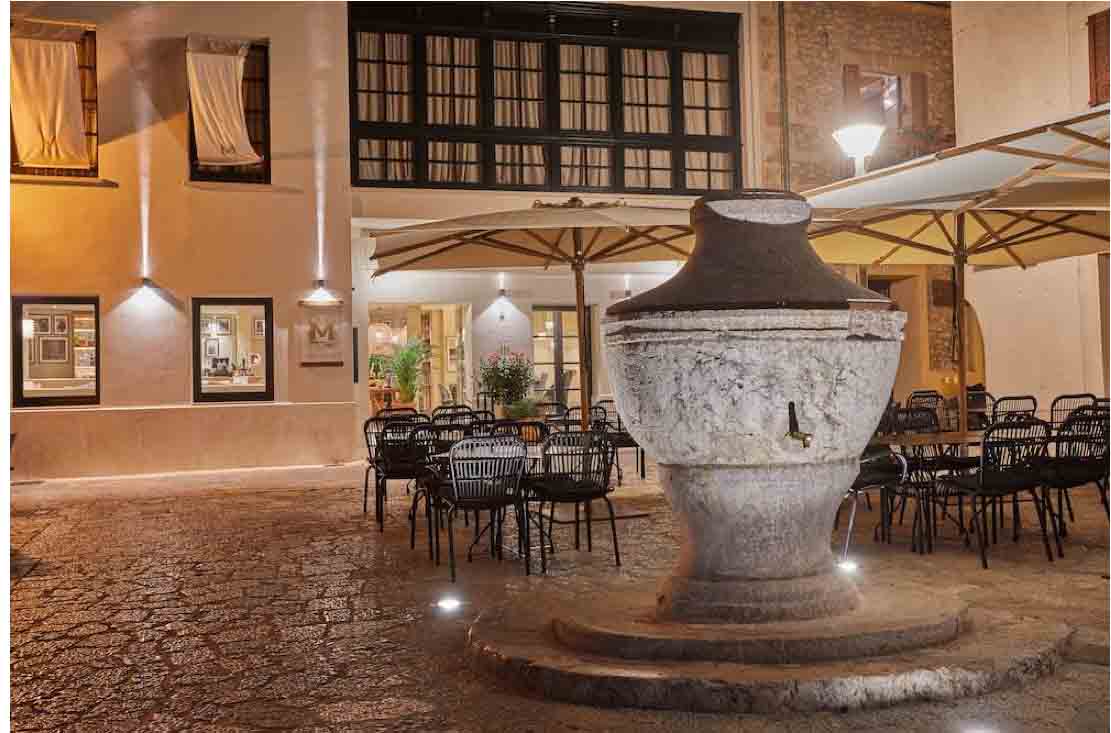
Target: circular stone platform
<point>931,649</point>
<point>623,625</point>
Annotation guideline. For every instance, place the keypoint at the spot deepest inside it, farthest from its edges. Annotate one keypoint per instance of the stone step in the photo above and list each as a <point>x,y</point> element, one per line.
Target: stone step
<point>515,644</point>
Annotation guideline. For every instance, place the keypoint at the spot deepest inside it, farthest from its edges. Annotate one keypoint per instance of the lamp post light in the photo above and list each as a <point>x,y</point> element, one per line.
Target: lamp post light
<point>858,142</point>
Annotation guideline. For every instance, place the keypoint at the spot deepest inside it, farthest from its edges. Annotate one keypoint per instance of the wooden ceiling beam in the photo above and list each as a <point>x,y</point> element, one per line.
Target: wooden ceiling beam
<point>1039,155</point>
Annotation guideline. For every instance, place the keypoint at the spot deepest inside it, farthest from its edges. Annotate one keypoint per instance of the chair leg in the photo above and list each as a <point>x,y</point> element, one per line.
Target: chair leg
<point>429,508</point>
<point>589,528</point>
<point>551,525</point>
<point>1039,507</point>
<point>1101,486</point>
<point>380,502</point>
<point>576,525</point>
<point>451,543</point>
<point>366,486</point>
<point>613,530</point>
<point>1068,504</point>
<point>642,463</point>
<point>1062,498</point>
<point>849,531</point>
<point>1016,518</point>
<point>521,510</point>
<point>868,501</point>
<point>982,530</point>
<point>543,542</point>
<point>413,518</point>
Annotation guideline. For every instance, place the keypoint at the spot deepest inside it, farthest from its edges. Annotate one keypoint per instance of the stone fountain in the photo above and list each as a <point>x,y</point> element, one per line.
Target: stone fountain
<point>755,377</point>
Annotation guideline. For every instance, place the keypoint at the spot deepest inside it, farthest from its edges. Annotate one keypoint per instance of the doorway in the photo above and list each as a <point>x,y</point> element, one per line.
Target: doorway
<point>559,354</point>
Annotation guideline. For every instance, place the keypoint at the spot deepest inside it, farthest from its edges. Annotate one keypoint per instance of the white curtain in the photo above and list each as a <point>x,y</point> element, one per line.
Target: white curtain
<point>450,162</point>
<point>519,165</point>
<point>452,80</point>
<point>518,83</point>
<point>47,121</point>
<point>646,80</point>
<point>706,93</point>
<point>583,88</point>
<point>581,165</point>
<point>215,69</point>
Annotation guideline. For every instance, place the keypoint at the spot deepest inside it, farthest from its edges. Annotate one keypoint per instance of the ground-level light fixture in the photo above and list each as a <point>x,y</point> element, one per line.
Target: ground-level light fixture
<point>449,604</point>
<point>628,289</point>
<point>847,566</point>
<point>502,292</point>
<point>859,141</point>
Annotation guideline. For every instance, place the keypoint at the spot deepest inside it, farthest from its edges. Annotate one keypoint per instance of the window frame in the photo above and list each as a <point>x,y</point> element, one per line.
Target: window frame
<point>199,396</point>
<point>238,173</point>
<point>614,27</point>
<point>18,303</point>
<point>85,53</point>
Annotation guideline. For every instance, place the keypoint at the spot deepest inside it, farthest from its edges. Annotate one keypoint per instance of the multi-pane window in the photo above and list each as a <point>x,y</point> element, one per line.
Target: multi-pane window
<point>706,93</point>
<point>709,171</point>
<point>519,165</point>
<point>584,166</point>
<point>55,350</point>
<point>648,168</point>
<point>454,162</point>
<point>385,160</point>
<point>256,115</point>
<point>583,87</point>
<point>518,84</point>
<point>86,67</point>
<point>453,70</point>
<point>564,96</point>
<point>383,90</point>
<point>646,85</point>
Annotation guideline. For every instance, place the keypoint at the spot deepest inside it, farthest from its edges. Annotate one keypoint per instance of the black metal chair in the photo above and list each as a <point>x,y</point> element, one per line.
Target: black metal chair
<point>882,468</point>
<point>1015,407</point>
<point>576,470</point>
<point>531,432</point>
<point>981,405</point>
<point>427,443</point>
<point>621,437</point>
<point>924,463</point>
<point>485,475</point>
<point>372,428</point>
<point>1079,458</point>
<point>396,412</point>
<point>450,408</point>
<point>463,416</point>
<point>1064,405</point>
<point>1011,459</point>
<point>396,458</point>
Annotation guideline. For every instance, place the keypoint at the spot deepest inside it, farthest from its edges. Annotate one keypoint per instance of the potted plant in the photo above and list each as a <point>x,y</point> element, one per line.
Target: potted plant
<point>376,367</point>
<point>405,365</point>
<point>507,377</point>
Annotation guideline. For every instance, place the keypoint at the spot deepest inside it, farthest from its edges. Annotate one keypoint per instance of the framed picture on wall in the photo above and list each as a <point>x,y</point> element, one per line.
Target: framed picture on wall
<point>258,328</point>
<point>211,348</point>
<point>42,324</point>
<point>60,325</point>
<point>53,350</point>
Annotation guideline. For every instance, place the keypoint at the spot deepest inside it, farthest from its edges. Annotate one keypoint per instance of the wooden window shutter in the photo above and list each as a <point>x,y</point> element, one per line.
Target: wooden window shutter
<point>851,89</point>
<point>1099,58</point>
<point>919,101</point>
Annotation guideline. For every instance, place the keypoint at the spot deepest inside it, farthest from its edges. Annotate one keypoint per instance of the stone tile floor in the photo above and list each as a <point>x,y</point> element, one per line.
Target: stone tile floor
<point>284,609</point>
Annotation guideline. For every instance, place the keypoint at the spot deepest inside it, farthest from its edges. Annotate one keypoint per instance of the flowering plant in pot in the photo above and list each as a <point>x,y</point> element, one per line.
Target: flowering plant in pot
<point>507,377</point>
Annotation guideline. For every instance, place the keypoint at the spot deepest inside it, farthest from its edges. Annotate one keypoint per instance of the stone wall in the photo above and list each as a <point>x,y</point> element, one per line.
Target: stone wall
<point>822,37</point>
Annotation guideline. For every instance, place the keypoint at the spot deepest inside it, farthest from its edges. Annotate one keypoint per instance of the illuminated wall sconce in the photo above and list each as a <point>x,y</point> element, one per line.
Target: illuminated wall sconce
<point>628,289</point>
<point>502,292</point>
<point>321,297</point>
<point>858,142</point>
<point>147,283</point>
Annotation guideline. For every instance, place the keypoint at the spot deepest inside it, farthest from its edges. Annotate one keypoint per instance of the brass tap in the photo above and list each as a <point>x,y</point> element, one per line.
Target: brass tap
<point>793,431</point>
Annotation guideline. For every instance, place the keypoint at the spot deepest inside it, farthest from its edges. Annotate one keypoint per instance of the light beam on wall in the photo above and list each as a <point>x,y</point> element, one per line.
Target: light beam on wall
<point>318,99</point>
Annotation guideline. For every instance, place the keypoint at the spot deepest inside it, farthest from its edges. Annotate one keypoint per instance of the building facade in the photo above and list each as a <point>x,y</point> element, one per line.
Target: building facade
<point>377,115</point>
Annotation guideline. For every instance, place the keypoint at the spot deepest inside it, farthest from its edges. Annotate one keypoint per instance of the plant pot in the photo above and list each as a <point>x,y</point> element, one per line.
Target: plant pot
<point>705,370</point>
<point>500,411</point>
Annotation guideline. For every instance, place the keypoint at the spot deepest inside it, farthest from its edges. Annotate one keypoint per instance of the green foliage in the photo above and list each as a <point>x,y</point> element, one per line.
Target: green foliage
<point>376,366</point>
<point>405,365</point>
<point>507,376</point>
<point>521,409</point>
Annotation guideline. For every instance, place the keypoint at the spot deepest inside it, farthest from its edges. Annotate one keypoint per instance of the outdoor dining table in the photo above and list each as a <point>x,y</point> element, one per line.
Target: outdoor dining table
<point>917,440</point>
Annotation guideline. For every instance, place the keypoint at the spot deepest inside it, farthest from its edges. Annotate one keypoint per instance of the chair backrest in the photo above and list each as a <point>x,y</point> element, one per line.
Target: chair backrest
<point>531,432</point>
<point>916,420</point>
<point>450,408</point>
<point>1013,443</point>
<point>585,457</point>
<point>550,409</point>
<point>487,469</point>
<point>395,411</point>
<point>573,416</point>
<point>1014,407</point>
<point>928,398</point>
<point>450,416</point>
<point>484,415</point>
<point>613,417</point>
<point>1063,406</point>
<point>372,427</point>
<point>428,440</point>
<point>1083,435</point>
<point>394,442</point>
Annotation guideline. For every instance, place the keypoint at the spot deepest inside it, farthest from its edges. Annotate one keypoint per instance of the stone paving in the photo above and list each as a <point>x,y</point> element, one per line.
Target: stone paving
<point>246,610</point>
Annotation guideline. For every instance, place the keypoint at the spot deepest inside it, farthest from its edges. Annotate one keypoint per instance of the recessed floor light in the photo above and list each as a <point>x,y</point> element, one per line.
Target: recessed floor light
<point>847,566</point>
<point>449,604</point>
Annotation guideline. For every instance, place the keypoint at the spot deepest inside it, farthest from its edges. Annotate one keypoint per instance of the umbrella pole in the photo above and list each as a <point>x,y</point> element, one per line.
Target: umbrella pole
<point>584,328</point>
<point>959,260</point>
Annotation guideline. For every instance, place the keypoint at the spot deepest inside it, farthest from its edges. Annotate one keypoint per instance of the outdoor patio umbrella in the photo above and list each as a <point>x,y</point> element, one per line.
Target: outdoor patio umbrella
<point>572,234</point>
<point>1015,200</point>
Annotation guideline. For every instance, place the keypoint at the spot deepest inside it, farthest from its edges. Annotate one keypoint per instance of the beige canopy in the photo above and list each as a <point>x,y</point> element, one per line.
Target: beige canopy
<point>572,234</point>
<point>1015,200</point>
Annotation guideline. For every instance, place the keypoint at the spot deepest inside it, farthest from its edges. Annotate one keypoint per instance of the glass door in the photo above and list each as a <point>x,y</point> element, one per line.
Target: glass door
<point>558,353</point>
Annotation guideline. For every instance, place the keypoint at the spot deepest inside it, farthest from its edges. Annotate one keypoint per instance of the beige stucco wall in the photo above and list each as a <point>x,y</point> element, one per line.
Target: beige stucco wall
<point>1017,65</point>
<point>205,240</point>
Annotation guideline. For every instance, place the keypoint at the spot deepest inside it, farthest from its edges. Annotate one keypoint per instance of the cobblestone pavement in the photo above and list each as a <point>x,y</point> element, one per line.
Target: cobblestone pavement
<point>285,609</point>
